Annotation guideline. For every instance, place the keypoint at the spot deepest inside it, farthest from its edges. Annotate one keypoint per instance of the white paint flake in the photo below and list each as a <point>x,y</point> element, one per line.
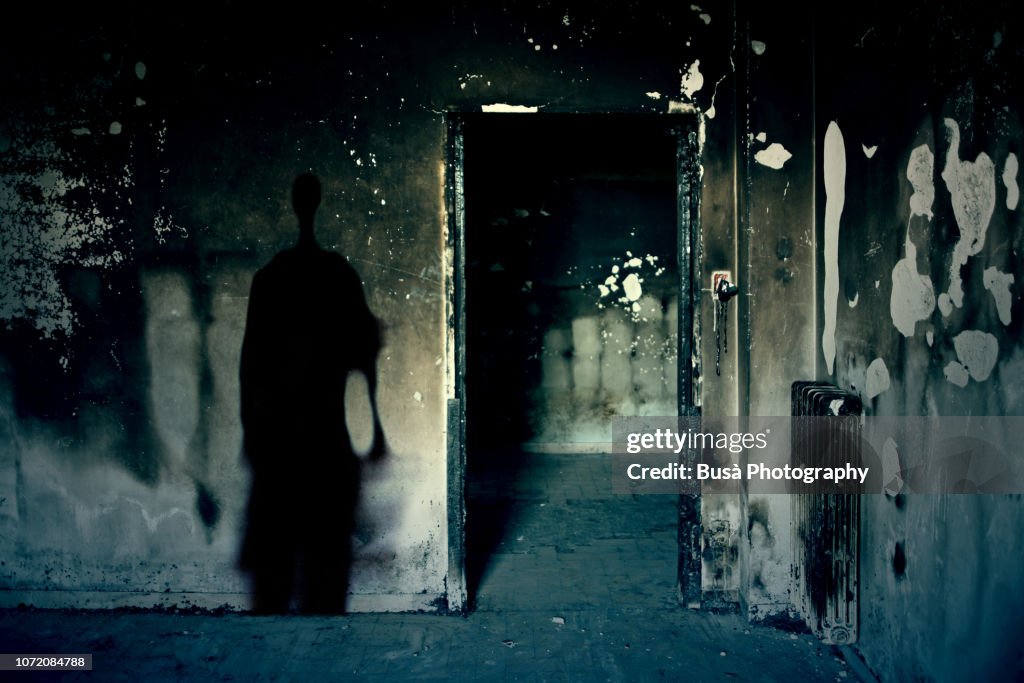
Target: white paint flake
<point>977,351</point>
<point>761,137</point>
<point>773,156</point>
<point>972,186</point>
<point>1010,181</point>
<point>705,17</point>
<point>869,152</point>
<point>945,305</point>
<point>835,406</point>
<point>758,47</point>
<point>163,224</point>
<point>919,173</point>
<point>956,374</point>
<point>835,198</point>
<point>140,70</point>
<point>913,296</point>
<point>692,80</point>
<point>877,378</point>
<point>654,95</point>
<point>631,287</point>
<point>891,470</point>
<point>929,337</point>
<point>627,276</point>
<point>999,283</point>
<point>115,128</point>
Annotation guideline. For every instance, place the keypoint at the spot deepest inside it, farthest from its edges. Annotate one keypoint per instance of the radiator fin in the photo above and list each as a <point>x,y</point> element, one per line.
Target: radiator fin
<point>826,563</point>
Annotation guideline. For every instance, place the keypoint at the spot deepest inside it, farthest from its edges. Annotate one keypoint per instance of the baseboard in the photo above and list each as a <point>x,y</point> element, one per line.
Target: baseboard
<point>232,602</point>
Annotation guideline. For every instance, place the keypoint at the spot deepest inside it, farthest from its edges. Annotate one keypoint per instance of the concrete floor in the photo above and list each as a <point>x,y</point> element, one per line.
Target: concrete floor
<point>572,583</point>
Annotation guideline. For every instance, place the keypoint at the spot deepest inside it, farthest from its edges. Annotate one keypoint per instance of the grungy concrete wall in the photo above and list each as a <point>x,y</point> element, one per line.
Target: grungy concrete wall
<point>144,177</point>
<point>918,112</point>
<point>777,244</point>
<point>870,162</point>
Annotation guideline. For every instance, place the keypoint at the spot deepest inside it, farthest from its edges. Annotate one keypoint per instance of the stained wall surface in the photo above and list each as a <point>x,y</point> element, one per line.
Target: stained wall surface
<point>145,171</point>
<point>860,176</point>
<point>919,136</point>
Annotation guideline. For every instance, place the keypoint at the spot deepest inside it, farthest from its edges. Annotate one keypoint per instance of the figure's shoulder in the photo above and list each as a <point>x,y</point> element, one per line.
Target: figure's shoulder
<point>338,263</point>
<point>279,260</point>
<point>286,260</point>
<point>295,263</point>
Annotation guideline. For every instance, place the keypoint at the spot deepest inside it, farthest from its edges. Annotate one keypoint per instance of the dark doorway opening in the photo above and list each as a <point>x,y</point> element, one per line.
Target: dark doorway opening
<point>570,234</point>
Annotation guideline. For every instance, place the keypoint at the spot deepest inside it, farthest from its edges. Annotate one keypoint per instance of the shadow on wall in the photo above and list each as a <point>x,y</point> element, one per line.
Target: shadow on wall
<point>308,327</point>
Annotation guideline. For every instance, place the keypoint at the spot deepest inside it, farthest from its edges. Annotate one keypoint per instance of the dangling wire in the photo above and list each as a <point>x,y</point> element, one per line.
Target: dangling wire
<point>724,291</point>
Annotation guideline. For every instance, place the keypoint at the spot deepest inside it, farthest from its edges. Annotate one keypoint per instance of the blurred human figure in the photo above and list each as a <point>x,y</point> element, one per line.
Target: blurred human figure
<point>308,327</point>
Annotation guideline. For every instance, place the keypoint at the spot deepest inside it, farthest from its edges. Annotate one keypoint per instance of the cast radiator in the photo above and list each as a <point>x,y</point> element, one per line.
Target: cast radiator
<point>827,524</point>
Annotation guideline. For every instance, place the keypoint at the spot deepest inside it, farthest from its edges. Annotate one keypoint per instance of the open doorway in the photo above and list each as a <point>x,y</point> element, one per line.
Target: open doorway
<point>573,234</point>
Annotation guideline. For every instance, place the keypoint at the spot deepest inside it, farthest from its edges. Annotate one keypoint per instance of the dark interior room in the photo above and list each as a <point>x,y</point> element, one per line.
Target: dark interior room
<point>324,330</point>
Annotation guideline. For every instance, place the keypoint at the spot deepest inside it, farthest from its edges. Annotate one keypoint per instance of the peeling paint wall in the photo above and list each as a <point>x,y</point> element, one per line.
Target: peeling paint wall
<point>928,246</point>
<point>778,295</point>
<point>144,177</point>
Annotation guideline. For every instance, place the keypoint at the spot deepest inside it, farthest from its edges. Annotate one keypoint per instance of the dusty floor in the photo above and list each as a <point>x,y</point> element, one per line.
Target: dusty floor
<point>574,583</point>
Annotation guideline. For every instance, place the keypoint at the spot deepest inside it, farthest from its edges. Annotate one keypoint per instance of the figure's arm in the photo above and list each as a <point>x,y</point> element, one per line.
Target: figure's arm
<point>365,346</point>
<point>378,448</point>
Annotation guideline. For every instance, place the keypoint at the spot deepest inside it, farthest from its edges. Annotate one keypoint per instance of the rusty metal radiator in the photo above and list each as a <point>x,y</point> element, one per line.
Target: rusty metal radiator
<point>827,524</point>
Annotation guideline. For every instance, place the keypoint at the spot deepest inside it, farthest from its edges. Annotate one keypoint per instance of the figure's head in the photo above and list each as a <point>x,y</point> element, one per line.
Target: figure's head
<point>306,197</point>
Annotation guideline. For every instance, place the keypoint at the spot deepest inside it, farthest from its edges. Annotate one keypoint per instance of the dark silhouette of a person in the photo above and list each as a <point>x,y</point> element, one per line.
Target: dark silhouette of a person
<point>308,327</point>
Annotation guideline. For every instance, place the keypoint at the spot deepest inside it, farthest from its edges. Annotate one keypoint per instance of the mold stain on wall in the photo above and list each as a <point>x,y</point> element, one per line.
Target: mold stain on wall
<point>54,216</point>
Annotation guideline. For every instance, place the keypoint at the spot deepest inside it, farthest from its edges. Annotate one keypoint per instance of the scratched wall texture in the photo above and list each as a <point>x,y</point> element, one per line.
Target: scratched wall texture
<point>145,171</point>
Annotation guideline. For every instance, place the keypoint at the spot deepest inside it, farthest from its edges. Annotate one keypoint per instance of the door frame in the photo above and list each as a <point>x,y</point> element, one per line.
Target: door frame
<point>689,173</point>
